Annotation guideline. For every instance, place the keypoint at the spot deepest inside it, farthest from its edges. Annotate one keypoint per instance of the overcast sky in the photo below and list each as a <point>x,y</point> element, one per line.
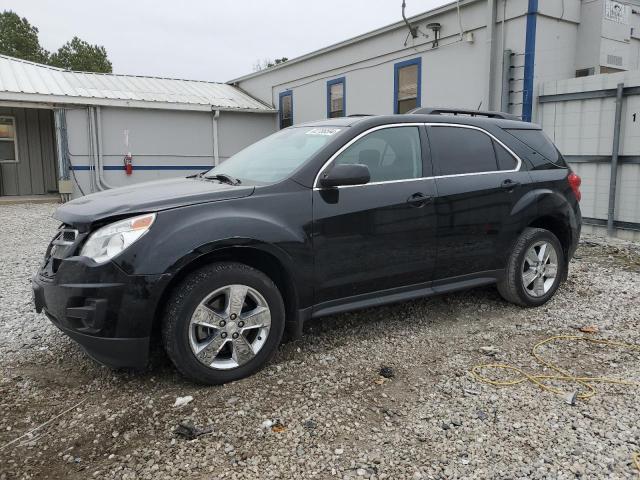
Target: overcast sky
<point>214,40</point>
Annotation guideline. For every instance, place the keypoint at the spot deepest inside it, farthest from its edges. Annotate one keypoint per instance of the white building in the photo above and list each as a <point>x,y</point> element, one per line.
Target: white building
<point>456,59</point>
<point>70,132</point>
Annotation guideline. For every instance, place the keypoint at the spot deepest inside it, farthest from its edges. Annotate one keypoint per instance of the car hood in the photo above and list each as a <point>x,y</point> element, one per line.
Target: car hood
<point>147,197</point>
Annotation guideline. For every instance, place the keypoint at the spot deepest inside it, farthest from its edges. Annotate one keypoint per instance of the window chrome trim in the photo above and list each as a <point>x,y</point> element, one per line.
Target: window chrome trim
<point>394,125</point>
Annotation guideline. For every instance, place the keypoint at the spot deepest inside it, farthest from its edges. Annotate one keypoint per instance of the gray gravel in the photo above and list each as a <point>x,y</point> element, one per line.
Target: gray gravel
<point>321,409</point>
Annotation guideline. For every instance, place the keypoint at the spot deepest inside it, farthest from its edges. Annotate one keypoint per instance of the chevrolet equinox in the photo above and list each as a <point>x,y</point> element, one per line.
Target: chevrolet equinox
<point>316,219</point>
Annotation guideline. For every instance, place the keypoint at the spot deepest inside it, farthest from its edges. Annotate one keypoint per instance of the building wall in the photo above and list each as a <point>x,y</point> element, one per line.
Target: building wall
<point>163,143</point>
<point>454,74</point>
<point>35,171</point>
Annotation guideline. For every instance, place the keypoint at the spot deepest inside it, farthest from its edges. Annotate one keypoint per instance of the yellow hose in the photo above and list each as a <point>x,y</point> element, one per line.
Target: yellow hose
<point>586,382</point>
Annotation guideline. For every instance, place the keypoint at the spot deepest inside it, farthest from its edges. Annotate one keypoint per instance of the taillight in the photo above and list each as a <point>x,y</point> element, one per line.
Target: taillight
<point>574,183</point>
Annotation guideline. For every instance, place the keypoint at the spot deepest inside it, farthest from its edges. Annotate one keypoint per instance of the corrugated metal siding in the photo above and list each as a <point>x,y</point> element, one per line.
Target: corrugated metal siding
<point>24,81</point>
<point>584,128</point>
<point>35,171</point>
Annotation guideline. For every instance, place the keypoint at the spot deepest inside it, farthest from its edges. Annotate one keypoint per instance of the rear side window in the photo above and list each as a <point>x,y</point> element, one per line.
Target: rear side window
<point>541,143</point>
<point>459,150</point>
<point>390,153</point>
<point>506,161</point>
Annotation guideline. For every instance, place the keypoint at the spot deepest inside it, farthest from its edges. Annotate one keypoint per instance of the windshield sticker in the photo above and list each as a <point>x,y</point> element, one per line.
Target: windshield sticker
<point>323,131</point>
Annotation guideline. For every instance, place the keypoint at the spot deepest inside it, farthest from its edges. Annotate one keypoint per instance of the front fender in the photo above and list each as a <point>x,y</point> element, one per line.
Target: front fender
<point>277,224</point>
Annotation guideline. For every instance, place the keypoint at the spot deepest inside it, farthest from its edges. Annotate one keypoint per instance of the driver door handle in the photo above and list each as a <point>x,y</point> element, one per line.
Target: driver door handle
<point>509,184</point>
<point>419,200</point>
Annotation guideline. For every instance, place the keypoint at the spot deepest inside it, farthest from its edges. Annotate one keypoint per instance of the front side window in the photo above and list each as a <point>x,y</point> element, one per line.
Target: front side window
<point>286,109</point>
<point>459,150</point>
<point>276,157</point>
<point>8,140</point>
<point>407,85</point>
<point>390,154</point>
<point>336,98</point>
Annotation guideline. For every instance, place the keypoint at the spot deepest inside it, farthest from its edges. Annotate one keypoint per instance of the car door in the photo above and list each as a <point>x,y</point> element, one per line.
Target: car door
<point>380,235</point>
<point>478,181</point>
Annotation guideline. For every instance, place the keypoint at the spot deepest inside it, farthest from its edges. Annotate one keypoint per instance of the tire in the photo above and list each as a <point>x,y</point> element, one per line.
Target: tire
<point>521,267</point>
<point>203,327</point>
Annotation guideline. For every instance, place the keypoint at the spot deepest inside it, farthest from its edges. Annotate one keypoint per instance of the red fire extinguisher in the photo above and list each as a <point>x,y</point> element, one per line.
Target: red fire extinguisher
<point>128,165</point>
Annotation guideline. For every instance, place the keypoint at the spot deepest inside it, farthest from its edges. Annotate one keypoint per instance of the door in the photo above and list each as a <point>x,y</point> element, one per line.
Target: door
<point>27,152</point>
<point>478,182</point>
<point>380,235</point>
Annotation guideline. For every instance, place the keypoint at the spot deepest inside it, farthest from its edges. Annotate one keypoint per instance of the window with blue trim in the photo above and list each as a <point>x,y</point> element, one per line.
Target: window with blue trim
<point>286,109</point>
<point>336,98</point>
<point>407,85</point>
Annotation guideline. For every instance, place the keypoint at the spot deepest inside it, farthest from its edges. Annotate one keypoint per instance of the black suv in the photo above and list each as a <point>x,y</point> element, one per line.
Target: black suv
<point>314,220</point>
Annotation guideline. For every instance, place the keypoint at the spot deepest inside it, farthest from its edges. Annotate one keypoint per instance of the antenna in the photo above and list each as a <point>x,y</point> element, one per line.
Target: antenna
<point>412,30</point>
<point>435,27</point>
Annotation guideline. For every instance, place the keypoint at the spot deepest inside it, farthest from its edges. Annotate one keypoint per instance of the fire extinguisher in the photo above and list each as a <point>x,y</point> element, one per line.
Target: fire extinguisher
<point>128,165</point>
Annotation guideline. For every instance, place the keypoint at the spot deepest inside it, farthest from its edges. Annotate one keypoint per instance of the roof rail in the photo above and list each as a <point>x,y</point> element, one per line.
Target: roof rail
<point>361,115</point>
<point>459,111</point>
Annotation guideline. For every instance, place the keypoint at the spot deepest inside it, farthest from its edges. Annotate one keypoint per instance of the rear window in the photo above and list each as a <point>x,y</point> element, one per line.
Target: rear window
<point>541,143</point>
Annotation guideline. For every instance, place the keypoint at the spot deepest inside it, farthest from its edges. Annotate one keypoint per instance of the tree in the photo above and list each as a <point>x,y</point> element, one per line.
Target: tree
<point>80,55</point>
<point>18,38</point>
<point>267,63</point>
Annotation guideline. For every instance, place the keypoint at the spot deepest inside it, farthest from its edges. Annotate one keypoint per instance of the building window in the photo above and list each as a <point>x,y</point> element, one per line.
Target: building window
<point>286,109</point>
<point>336,98</point>
<point>407,85</point>
<point>8,147</point>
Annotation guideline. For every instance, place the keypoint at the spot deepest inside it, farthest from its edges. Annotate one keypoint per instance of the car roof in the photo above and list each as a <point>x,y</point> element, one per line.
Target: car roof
<point>369,121</point>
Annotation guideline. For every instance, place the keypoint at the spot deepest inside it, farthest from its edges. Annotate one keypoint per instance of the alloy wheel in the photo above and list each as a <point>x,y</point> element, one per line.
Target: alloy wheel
<point>229,327</point>
<point>539,268</point>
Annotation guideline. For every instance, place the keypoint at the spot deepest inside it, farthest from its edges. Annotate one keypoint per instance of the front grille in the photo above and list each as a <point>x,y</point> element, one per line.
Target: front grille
<point>63,245</point>
<point>66,236</point>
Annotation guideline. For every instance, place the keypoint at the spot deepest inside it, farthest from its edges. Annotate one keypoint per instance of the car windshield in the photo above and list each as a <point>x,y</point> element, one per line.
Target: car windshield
<point>274,158</point>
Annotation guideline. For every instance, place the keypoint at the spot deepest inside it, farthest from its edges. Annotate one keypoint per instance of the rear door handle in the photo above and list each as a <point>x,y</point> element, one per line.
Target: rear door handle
<point>419,200</point>
<point>509,184</point>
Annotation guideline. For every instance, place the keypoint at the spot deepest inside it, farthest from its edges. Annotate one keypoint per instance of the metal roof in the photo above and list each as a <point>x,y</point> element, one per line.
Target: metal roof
<point>23,81</point>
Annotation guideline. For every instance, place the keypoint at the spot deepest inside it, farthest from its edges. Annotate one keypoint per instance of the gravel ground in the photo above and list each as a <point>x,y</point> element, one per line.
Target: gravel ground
<point>321,408</point>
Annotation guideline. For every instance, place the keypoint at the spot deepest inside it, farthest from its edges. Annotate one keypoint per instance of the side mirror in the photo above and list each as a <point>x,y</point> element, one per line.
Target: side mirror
<point>345,174</point>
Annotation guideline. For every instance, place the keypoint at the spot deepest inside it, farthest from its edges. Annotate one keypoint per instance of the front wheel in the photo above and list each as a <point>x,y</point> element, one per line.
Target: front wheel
<point>223,323</point>
<point>534,268</point>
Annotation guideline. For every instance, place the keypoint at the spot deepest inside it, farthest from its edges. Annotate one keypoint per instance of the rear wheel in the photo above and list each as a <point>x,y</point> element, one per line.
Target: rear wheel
<point>534,269</point>
<point>223,323</point>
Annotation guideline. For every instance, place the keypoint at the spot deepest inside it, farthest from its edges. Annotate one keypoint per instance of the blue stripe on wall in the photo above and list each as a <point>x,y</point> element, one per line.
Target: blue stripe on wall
<point>200,168</point>
<point>529,60</point>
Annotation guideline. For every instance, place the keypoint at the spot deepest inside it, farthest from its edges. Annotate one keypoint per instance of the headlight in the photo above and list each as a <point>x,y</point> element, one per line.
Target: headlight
<point>109,241</point>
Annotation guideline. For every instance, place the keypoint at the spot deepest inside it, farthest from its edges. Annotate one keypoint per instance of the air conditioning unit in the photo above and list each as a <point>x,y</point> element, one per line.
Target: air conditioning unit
<point>604,36</point>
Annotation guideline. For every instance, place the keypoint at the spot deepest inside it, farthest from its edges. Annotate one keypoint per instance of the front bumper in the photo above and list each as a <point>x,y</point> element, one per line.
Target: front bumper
<point>109,313</point>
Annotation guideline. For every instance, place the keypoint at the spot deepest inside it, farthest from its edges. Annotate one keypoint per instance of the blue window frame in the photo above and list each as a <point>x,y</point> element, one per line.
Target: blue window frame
<point>286,109</point>
<point>407,85</point>
<point>337,97</point>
